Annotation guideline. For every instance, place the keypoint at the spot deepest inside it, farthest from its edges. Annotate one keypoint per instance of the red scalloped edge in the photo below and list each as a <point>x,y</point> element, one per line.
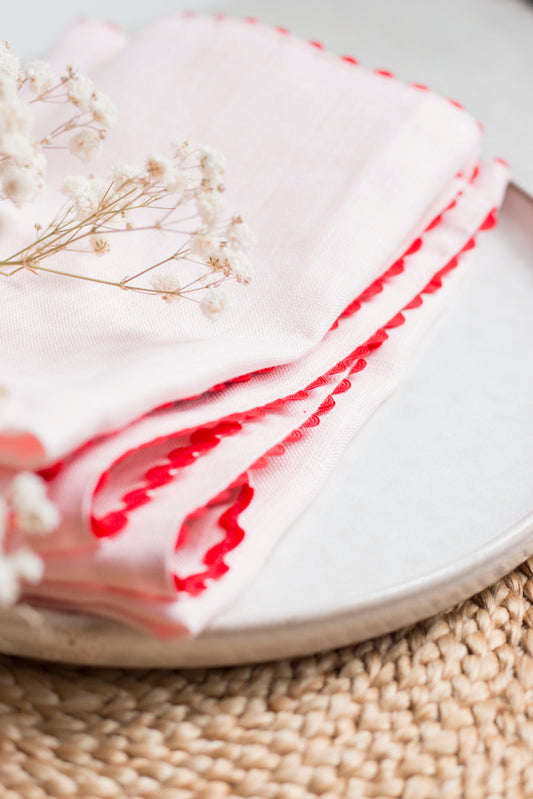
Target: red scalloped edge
<point>320,47</point>
<point>201,441</point>
<point>206,438</point>
<point>234,534</point>
<point>356,359</point>
<point>49,472</point>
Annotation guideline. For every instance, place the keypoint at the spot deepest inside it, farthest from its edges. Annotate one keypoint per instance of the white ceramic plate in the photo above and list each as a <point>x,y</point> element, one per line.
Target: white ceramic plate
<point>432,501</point>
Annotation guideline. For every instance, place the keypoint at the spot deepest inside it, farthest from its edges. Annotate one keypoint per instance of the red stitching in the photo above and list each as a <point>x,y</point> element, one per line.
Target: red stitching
<point>48,473</point>
<point>397,267</point>
<point>349,59</point>
<point>195,584</point>
<point>343,386</point>
<point>381,335</point>
<point>491,220</point>
<point>276,450</point>
<point>109,525</point>
<point>204,439</point>
<point>326,406</point>
<point>214,558</point>
<point>415,246</point>
<point>136,498</point>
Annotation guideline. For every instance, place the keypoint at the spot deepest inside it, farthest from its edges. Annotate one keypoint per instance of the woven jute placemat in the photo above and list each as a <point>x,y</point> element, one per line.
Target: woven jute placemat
<point>442,709</point>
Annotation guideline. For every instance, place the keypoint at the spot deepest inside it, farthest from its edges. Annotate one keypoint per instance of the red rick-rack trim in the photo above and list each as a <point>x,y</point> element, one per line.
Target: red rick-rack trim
<point>206,438</point>
<point>196,583</point>
<point>49,472</point>
<point>201,440</point>
<point>233,534</point>
<point>349,59</point>
<point>376,341</point>
<point>164,473</point>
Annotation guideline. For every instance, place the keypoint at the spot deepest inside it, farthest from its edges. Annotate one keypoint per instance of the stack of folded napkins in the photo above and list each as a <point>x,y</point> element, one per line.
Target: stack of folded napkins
<point>179,449</point>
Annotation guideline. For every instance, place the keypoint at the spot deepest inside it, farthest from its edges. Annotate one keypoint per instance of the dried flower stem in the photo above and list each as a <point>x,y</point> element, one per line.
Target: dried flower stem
<point>183,191</point>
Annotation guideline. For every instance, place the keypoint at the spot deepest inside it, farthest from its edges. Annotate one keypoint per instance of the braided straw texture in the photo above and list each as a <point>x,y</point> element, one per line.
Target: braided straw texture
<point>442,709</point>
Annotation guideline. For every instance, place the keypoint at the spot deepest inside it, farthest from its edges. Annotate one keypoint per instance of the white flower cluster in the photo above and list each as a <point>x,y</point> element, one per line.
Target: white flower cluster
<point>22,163</point>
<point>188,180</point>
<point>10,64</point>
<point>82,93</point>
<point>26,509</point>
<point>225,255</point>
<point>215,301</point>
<point>168,284</point>
<point>22,159</point>
<point>86,194</point>
<point>222,250</point>
<point>41,77</point>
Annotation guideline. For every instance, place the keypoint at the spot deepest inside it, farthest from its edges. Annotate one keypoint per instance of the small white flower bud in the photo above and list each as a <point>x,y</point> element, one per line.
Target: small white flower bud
<point>204,244</point>
<point>85,145</point>
<point>215,301</point>
<point>168,284</point>
<point>238,265</point>
<point>103,109</point>
<point>10,64</point>
<point>20,184</point>
<point>79,89</point>
<point>210,206</point>
<point>100,244</point>
<point>239,235</point>
<point>40,76</point>
<point>182,148</point>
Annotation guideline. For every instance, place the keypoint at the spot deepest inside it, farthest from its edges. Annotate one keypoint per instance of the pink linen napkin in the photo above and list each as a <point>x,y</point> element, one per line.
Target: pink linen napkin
<point>88,45</point>
<point>180,522</point>
<point>335,168</point>
<point>360,228</point>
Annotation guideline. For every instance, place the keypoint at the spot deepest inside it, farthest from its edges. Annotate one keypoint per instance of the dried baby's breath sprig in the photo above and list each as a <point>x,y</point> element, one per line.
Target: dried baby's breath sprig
<point>22,150</point>
<point>25,510</point>
<point>180,194</point>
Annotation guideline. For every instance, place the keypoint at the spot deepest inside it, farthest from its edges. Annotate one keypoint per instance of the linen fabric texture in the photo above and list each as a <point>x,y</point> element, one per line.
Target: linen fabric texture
<point>184,448</point>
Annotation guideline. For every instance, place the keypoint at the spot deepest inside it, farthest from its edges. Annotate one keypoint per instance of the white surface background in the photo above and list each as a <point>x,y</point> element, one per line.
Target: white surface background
<point>479,52</point>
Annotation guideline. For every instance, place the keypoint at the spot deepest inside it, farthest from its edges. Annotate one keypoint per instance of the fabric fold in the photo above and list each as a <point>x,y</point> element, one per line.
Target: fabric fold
<point>279,454</point>
<point>179,450</point>
<point>334,191</point>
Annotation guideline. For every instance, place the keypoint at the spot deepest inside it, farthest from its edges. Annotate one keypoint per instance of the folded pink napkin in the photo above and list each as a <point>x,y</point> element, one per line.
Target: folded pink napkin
<point>365,196</point>
<point>182,517</point>
<point>335,167</point>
